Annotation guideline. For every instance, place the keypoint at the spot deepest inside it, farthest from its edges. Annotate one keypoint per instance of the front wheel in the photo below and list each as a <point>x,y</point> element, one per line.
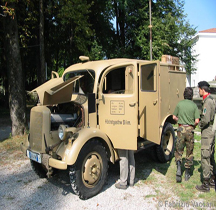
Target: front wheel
<point>165,150</point>
<point>38,169</point>
<point>89,173</point>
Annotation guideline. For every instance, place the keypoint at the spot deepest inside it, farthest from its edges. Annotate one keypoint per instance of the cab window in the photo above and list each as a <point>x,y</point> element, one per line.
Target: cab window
<point>85,84</point>
<point>148,77</point>
<point>118,81</point>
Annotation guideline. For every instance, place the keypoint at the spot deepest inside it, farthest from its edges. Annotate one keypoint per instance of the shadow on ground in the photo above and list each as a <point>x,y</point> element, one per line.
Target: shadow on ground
<point>144,167</point>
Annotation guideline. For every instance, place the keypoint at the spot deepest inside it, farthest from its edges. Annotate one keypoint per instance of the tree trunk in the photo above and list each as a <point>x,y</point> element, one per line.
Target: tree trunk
<point>42,72</point>
<point>15,76</point>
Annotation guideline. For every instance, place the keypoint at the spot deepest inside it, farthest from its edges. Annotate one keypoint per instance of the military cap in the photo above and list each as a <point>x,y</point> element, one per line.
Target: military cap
<point>202,84</point>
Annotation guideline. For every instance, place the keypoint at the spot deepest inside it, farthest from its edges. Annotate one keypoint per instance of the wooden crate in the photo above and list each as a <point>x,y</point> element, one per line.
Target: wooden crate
<point>172,60</point>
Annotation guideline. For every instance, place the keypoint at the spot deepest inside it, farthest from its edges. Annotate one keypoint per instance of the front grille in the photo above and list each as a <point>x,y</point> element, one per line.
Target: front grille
<point>36,130</point>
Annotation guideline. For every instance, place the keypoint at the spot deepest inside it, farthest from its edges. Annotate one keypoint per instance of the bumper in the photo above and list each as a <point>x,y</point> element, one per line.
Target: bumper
<point>57,164</point>
<point>52,162</point>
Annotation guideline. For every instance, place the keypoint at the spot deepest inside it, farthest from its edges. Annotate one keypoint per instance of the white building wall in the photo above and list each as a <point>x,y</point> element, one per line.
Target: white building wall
<point>205,48</point>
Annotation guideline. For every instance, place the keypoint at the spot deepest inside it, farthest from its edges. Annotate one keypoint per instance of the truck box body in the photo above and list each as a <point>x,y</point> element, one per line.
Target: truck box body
<point>137,102</point>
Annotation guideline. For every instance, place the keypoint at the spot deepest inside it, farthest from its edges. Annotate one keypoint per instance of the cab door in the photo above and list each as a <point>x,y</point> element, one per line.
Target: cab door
<point>149,101</point>
<point>118,105</point>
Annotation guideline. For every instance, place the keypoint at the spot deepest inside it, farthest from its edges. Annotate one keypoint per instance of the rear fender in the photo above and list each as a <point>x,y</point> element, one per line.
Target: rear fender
<point>72,151</point>
<point>169,119</point>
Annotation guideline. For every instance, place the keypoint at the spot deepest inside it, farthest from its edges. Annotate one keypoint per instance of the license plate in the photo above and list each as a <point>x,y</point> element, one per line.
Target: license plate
<point>34,156</point>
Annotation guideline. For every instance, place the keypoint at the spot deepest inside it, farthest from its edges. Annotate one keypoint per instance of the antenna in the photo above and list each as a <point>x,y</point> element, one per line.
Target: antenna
<point>150,28</point>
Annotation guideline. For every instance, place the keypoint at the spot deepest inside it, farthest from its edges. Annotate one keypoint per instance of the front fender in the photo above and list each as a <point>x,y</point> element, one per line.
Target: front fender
<point>72,151</point>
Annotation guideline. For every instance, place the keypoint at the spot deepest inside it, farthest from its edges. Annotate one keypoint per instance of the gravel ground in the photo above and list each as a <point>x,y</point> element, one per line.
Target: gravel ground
<point>22,189</point>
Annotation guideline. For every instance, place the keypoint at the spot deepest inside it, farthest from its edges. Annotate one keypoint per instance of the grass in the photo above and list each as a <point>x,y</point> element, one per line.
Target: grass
<point>188,192</point>
<point>10,150</point>
<point>162,178</point>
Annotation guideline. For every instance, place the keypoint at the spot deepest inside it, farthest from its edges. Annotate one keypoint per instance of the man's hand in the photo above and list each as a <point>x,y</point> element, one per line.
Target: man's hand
<point>175,118</point>
<point>196,122</point>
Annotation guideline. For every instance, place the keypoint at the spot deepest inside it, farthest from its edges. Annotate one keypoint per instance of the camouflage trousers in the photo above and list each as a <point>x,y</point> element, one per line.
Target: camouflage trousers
<point>185,137</point>
<point>207,152</point>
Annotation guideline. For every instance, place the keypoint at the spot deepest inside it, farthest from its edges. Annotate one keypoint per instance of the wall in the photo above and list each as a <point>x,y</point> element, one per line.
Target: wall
<point>206,50</point>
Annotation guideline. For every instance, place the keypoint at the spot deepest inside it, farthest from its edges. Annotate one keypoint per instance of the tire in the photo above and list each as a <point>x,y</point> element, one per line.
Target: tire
<point>38,169</point>
<point>165,150</point>
<point>89,173</point>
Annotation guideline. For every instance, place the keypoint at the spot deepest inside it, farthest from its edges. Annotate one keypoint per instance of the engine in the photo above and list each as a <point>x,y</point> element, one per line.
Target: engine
<point>70,114</point>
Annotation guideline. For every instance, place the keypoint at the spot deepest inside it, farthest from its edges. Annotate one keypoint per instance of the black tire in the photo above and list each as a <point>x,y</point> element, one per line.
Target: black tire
<point>38,169</point>
<point>89,173</point>
<point>165,150</point>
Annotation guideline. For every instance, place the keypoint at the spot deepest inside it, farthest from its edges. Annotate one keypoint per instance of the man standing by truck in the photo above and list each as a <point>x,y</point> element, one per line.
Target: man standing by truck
<point>187,115</point>
<point>207,138</point>
<point>127,169</point>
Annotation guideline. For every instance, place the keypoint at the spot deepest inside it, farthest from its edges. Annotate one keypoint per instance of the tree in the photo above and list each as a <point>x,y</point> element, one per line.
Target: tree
<point>70,23</point>
<point>131,27</point>
<point>42,72</point>
<point>103,42</point>
<point>73,28</point>
<point>14,68</point>
<point>171,33</point>
<point>3,73</point>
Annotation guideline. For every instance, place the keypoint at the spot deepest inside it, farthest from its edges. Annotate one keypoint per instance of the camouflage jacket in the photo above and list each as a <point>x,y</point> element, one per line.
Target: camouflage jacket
<point>208,112</point>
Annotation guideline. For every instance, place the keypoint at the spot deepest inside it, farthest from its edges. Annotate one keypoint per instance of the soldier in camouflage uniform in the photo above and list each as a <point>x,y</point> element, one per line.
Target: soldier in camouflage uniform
<point>187,115</point>
<point>207,138</point>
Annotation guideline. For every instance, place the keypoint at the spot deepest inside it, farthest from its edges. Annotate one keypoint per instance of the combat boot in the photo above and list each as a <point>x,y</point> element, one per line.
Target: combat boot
<point>187,174</point>
<point>212,182</point>
<point>178,172</point>
<point>204,187</point>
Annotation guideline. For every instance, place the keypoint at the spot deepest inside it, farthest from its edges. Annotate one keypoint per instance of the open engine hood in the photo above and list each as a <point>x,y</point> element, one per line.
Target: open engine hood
<point>56,91</point>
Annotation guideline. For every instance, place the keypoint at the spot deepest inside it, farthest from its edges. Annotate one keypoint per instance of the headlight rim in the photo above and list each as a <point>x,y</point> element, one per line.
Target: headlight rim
<point>63,132</point>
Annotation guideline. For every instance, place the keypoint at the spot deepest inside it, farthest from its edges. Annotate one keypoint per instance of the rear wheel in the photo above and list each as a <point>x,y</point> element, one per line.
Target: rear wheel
<point>165,150</point>
<point>89,174</point>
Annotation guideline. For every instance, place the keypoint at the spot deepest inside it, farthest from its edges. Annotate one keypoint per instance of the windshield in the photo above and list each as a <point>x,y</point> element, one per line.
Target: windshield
<point>83,85</point>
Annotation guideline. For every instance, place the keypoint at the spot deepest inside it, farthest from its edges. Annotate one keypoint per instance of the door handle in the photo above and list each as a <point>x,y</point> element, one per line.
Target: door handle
<point>155,102</point>
<point>132,104</point>
<point>177,92</point>
<point>102,98</point>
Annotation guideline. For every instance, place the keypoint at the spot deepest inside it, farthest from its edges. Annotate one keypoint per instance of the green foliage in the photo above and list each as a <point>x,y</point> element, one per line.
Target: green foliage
<point>171,33</point>
<point>97,52</point>
<point>73,18</point>
<point>8,10</point>
<point>74,28</point>
<point>61,71</point>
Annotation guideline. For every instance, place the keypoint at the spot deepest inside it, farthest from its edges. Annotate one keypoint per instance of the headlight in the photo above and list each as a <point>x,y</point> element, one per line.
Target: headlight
<point>62,132</point>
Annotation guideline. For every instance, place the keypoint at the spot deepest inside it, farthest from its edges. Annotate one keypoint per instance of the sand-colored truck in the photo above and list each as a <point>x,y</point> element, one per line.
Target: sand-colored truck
<point>97,107</point>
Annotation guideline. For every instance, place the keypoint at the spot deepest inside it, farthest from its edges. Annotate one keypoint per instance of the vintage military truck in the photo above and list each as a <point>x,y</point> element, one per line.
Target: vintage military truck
<point>98,107</point>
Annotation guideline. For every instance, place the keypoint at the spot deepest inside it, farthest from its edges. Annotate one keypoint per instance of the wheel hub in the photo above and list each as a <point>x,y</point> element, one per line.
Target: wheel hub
<point>92,170</point>
<point>167,143</point>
